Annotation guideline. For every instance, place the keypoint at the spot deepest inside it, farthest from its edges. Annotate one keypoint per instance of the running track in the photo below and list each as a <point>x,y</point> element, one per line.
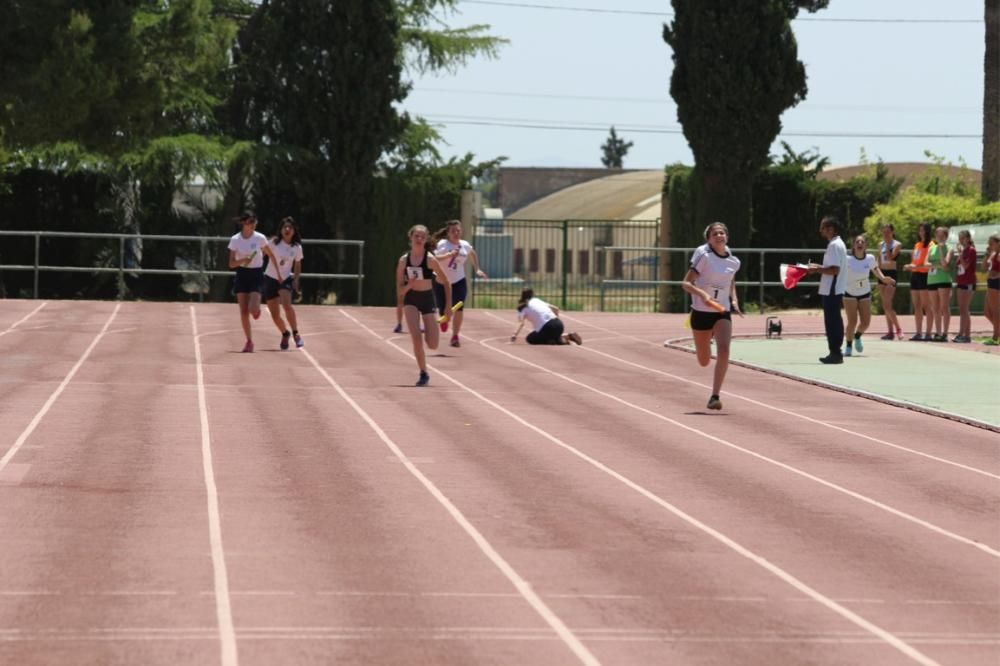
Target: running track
<point>167,500</point>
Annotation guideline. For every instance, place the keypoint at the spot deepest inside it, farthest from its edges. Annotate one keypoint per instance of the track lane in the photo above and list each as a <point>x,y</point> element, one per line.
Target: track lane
<point>592,415</point>
<point>104,553</point>
<point>335,552</point>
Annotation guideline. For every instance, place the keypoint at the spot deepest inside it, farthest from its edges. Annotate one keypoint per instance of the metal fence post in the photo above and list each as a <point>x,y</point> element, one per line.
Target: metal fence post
<point>565,260</point>
<point>361,272</point>
<point>761,277</point>
<point>38,242</point>
<point>121,267</point>
<point>202,278</point>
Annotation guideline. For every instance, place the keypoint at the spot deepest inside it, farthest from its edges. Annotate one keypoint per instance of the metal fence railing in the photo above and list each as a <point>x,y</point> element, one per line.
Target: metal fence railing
<point>618,265</point>
<point>120,254</point>
<point>560,259</point>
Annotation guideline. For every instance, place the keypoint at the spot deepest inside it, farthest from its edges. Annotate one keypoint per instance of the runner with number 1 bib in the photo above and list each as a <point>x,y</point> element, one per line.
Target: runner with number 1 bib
<point>710,281</point>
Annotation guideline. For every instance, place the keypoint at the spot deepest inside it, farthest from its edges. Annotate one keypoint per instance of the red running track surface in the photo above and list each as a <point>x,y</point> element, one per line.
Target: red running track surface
<point>165,499</point>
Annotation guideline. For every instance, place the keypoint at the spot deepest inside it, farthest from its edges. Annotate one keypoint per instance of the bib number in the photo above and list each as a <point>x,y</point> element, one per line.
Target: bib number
<point>414,273</point>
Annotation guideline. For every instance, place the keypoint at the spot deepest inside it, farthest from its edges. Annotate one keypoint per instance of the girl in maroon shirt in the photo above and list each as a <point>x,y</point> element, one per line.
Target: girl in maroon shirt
<point>965,267</point>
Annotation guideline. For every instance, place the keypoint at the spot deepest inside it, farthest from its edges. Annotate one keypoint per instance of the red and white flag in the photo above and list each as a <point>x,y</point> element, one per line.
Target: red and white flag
<point>792,273</point>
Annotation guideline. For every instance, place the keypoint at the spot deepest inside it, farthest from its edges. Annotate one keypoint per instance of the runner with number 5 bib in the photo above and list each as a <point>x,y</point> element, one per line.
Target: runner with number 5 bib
<point>710,281</point>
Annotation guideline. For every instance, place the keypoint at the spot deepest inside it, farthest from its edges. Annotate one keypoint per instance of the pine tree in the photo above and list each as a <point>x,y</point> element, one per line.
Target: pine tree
<point>614,150</point>
<point>736,70</point>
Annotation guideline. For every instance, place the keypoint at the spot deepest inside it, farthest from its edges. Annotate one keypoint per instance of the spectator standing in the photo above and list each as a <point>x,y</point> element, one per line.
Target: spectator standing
<point>833,280</point>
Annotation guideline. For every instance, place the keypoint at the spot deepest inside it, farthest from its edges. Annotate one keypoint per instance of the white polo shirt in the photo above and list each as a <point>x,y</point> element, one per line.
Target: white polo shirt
<point>836,255</point>
<point>287,255</point>
<point>858,272</point>
<point>454,267</point>
<point>244,247</point>
<point>715,275</point>
<point>537,312</point>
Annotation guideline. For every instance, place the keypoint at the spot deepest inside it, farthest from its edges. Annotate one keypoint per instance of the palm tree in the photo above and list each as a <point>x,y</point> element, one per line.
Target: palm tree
<point>991,104</point>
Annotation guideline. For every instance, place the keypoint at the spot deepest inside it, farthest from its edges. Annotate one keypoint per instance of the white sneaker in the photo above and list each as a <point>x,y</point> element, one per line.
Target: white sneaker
<point>847,351</point>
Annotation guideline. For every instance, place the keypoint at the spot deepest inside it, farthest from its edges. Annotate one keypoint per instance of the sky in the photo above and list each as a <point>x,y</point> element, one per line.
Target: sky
<point>874,67</point>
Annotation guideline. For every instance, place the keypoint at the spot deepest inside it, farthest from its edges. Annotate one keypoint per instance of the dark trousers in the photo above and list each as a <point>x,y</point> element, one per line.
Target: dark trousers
<point>833,322</point>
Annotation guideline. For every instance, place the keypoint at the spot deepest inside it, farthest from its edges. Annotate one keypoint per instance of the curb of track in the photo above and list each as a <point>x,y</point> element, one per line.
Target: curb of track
<point>676,343</point>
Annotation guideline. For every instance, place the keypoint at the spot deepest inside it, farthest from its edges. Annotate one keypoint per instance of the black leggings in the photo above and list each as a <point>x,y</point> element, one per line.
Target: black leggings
<point>549,334</point>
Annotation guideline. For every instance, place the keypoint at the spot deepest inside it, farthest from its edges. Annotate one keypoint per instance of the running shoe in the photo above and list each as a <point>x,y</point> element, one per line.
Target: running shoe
<point>284,340</point>
<point>940,337</point>
<point>832,359</point>
<point>398,329</point>
<point>255,314</point>
<point>248,347</point>
<point>299,342</point>
<point>575,337</point>
<point>848,351</point>
<point>714,402</point>
<point>960,338</point>
<point>860,346</point>
<point>992,342</point>
<point>444,327</point>
<point>455,342</point>
<point>899,333</point>
<point>424,379</point>
<point>887,336</point>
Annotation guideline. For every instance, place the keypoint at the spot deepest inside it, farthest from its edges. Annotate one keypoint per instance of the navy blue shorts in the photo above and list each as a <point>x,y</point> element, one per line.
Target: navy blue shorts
<point>459,291</point>
<point>270,287</point>
<point>248,280</point>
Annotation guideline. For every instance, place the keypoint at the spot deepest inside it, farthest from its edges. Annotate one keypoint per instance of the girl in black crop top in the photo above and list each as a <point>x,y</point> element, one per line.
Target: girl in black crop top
<point>414,274</point>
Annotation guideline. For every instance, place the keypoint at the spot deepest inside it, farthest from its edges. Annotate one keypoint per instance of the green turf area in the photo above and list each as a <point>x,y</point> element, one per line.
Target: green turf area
<point>935,375</point>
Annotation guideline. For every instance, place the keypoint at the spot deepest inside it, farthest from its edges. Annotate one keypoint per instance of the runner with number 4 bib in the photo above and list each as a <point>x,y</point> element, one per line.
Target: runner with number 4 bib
<point>710,281</point>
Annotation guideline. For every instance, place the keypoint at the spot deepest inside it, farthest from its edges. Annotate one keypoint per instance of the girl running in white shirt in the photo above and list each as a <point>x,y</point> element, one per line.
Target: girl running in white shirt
<point>453,252</point>
<point>710,281</point>
<point>246,255</point>
<point>281,280</point>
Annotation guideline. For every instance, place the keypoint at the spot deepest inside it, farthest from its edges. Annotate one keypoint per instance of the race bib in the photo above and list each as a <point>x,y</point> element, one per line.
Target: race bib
<point>961,269</point>
<point>414,273</point>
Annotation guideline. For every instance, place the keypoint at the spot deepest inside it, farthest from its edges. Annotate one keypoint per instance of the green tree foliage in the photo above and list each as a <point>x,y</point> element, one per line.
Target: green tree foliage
<point>430,45</point>
<point>789,200</point>
<point>915,206</point>
<point>736,70</point>
<point>316,85</point>
<point>615,149</point>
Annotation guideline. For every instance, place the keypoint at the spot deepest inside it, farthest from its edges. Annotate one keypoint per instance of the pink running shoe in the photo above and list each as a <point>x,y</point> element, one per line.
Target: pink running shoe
<point>255,314</point>
<point>299,342</point>
<point>444,327</point>
<point>248,347</point>
<point>455,342</point>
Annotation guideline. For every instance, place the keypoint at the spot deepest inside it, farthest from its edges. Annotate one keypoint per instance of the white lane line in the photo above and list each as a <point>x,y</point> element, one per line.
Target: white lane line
<point>795,470</point>
<point>775,570</point>
<point>522,586</point>
<point>12,451</point>
<point>23,319</point>
<point>788,412</point>
<point>223,606</point>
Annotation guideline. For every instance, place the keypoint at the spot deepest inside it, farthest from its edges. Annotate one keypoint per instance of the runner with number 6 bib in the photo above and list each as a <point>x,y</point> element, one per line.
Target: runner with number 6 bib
<point>710,281</point>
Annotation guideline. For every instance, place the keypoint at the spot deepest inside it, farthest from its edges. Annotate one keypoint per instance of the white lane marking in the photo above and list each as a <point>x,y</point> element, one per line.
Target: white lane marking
<point>775,570</point>
<point>23,319</point>
<point>522,586</point>
<point>223,606</point>
<point>826,424</point>
<point>14,474</point>
<point>777,463</point>
<point>12,451</point>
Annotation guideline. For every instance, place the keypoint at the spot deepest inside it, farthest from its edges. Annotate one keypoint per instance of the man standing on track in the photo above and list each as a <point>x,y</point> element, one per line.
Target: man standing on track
<point>833,280</point>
